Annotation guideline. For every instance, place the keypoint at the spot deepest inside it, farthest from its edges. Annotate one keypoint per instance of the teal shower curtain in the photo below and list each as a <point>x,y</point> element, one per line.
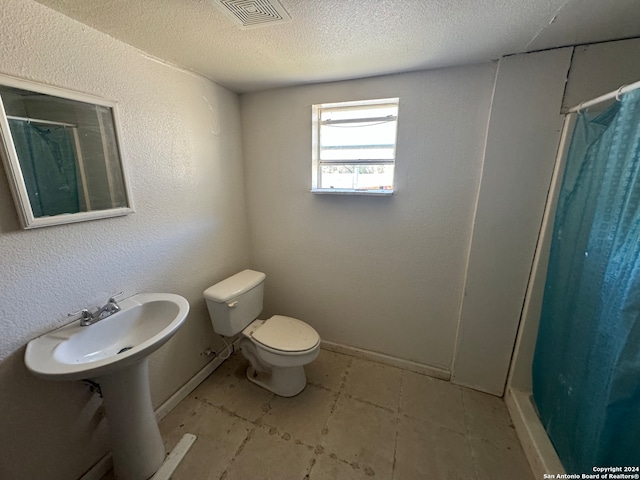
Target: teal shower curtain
<point>49,167</point>
<point>586,370</point>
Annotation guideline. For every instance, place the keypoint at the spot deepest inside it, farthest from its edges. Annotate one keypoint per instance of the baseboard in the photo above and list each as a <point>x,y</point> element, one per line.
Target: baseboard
<point>99,469</point>
<point>103,465</point>
<point>535,442</point>
<point>184,391</point>
<point>387,360</point>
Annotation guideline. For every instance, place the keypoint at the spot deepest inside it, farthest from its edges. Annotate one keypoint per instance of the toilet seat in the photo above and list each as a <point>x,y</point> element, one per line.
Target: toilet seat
<point>285,335</point>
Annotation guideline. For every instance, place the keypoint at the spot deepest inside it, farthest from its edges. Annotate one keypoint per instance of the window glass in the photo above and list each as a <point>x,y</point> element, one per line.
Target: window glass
<point>355,146</point>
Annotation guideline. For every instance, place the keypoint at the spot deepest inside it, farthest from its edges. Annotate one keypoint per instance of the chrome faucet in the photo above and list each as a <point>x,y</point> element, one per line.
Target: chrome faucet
<point>87,317</point>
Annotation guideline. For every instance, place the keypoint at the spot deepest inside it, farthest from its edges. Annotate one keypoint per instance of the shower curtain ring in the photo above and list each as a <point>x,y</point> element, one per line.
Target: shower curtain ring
<point>580,107</point>
<point>619,92</point>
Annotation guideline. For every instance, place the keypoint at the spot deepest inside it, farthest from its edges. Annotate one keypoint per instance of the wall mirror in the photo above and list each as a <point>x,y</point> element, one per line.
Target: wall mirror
<point>62,154</point>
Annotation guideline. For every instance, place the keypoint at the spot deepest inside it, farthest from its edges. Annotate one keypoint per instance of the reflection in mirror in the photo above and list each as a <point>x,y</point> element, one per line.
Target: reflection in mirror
<point>62,154</point>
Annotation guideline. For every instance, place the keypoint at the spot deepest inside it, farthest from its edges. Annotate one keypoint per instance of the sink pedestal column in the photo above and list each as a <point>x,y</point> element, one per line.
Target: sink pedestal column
<point>136,444</point>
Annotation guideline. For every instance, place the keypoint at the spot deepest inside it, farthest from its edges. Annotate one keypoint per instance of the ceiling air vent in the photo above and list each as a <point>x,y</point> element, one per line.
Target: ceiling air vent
<point>253,13</point>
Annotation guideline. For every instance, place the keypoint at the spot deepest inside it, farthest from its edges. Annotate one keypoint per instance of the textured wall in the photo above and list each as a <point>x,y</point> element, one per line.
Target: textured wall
<point>180,136</point>
<point>384,274</point>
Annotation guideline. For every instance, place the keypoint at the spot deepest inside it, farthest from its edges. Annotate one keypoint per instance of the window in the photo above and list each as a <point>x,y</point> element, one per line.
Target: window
<point>354,147</point>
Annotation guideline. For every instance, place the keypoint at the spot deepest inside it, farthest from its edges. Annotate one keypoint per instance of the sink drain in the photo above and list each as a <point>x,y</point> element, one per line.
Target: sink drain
<point>124,349</point>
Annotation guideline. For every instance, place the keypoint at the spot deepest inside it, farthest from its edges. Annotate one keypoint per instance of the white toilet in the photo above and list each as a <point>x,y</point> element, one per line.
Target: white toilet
<point>278,348</point>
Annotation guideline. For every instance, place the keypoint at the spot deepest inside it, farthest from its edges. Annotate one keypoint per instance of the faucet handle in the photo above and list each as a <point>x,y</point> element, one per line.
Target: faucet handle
<point>84,314</point>
<point>112,299</point>
<point>86,317</point>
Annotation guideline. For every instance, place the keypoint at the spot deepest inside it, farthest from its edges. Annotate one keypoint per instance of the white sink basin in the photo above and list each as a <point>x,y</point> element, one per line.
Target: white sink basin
<point>114,353</point>
<point>74,352</point>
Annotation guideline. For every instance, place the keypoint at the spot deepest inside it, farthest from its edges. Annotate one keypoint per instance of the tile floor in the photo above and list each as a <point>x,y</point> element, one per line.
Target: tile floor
<point>356,420</point>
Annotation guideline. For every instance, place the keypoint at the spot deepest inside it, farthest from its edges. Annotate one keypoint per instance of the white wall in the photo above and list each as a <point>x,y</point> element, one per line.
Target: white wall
<point>180,135</point>
<point>383,274</point>
<point>521,145</point>
<point>601,68</point>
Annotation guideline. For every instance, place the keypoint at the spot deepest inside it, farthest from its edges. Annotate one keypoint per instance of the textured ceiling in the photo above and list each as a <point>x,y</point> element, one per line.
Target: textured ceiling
<point>339,39</point>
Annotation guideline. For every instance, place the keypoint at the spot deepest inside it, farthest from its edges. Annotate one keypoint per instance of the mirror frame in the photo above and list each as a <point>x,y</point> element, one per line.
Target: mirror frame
<point>14,171</point>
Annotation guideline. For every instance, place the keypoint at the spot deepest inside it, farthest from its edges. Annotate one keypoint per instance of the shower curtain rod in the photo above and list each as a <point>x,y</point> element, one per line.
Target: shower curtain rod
<point>44,122</point>
<point>603,98</point>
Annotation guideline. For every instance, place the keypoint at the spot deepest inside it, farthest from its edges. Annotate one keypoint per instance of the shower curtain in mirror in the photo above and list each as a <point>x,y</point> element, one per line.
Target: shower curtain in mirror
<point>586,370</point>
<point>49,167</point>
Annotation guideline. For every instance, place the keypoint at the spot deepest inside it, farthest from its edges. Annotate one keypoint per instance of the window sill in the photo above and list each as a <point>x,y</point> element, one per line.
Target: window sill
<point>338,191</point>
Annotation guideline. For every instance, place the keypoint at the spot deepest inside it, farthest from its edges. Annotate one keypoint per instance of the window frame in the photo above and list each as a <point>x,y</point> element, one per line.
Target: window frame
<point>317,163</point>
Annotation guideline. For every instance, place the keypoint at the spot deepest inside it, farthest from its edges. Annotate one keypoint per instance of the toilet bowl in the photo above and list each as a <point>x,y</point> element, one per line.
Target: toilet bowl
<point>277,348</point>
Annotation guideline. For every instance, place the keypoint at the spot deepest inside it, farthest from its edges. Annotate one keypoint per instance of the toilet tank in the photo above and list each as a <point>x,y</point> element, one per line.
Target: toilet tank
<point>235,302</point>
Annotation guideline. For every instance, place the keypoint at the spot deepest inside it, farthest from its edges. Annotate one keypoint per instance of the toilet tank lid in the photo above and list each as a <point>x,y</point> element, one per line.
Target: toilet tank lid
<point>234,286</point>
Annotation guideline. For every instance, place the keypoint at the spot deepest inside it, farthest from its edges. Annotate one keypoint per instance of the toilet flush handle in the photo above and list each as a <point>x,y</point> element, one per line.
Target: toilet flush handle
<point>232,304</point>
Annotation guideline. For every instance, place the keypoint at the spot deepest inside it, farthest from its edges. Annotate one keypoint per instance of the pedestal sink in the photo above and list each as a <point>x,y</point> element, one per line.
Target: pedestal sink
<point>113,352</point>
